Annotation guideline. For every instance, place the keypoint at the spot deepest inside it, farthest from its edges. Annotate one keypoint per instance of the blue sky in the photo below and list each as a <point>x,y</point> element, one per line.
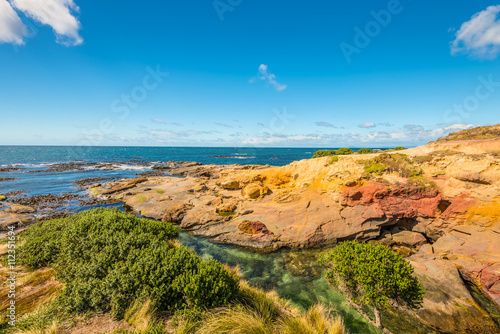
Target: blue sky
<point>246,73</point>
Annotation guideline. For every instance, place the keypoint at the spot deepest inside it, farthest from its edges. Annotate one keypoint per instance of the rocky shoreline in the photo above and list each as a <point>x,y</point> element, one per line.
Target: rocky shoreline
<point>438,205</point>
<point>445,220</point>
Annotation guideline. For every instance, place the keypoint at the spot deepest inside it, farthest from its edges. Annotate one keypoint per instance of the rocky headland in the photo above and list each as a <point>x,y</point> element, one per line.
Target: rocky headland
<point>438,205</point>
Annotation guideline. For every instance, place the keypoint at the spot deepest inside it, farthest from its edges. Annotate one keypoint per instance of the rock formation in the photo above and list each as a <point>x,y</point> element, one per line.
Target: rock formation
<point>438,204</point>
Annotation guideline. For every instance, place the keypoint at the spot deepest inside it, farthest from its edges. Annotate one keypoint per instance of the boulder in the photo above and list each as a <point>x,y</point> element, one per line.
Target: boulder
<point>253,227</point>
<point>229,183</point>
<point>175,213</point>
<point>254,190</point>
<point>448,306</point>
<point>121,186</point>
<point>19,209</point>
<point>408,238</point>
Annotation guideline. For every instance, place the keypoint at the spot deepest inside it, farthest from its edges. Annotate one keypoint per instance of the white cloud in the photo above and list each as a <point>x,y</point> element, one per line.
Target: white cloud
<point>56,13</point>
<point>415,134</point>
<point>367,125</point>
<point>269,77</point>
<point>480,36</point>
<point>156,120</point>
<point>12,29</point>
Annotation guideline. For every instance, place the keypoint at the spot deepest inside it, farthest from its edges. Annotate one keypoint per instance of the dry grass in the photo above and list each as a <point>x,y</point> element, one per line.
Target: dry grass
<point>54,328</point>
<point>32,290</point>
<point>261,312</point>
<point>316,320</point>
<point>140,315</point>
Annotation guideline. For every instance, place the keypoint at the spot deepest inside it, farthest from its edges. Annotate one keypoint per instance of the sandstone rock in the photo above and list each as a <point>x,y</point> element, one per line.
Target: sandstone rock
<point>230,184</point>
<point>286,196</point>
<point>350,183</point>
<point>227,206</point>
<point>17,208</point>
<point>175,213</point>
<point>253,228</point>
<point>254,190</point>
<point>200,188</point>
<point>473,176</point>
<point>426,249</point>
<point>121,186</point>
<point>445,244</point>
<point>408,238</point>
<point>396,203</point>
<point>448,305</point>
<point>419,227</point>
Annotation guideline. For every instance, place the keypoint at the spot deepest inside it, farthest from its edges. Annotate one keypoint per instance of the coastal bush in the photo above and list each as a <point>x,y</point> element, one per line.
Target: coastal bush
<point>322,153</point>
<point>399,148</point>
<point>329,153</point>
<point>334,159</point>
<point>344,151</point>
<point>365,151</point>
<point>396,163</point>
<point>420,159</point>
<point>444,153</point>
<point>372,275</point>
<point>107,259</point>
<point>478,133</point>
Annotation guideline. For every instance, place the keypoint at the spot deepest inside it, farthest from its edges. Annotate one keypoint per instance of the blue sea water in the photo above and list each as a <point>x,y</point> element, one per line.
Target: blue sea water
<point>130,161</point>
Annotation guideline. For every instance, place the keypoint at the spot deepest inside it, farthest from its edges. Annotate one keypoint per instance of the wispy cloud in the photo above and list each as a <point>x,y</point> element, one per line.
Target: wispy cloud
<point>413,127</point>
<point>223,125</point>
<point>270,78</point>
<point>407,135</point>
<point>480,36</point>
<point>12,29</point>
<point>177,124</point>
<point>367,125</point>
<point>156,120</point>
<point>386,124</point>
<point>325,124</point>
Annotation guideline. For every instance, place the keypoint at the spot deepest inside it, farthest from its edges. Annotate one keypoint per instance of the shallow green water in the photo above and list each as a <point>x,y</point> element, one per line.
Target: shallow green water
<point>295,275</point>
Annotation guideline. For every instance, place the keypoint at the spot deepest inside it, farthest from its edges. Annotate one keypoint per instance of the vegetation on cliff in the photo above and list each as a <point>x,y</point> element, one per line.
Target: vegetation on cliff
<point>372,275</point>
<point>329,153</point>
<point>478,133</point>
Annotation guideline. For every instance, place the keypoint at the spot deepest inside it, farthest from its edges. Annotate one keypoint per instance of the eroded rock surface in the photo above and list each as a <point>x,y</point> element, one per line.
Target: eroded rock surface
<point>445,218</point>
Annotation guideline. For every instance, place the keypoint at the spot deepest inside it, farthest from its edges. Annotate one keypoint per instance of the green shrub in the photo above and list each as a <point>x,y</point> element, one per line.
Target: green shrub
<point>226,213</point>
<point>107,259</point>
<point>399,148</point>
<point>444,153</point>
<point>365,151</point>
<point>420,159</point>
<point>372,275</point>
<point>397,163</point>
<point>334,159</point>
<point>374,168</point>
<point>329,153</point>
<point>321,153</point>
<point>344,151</point>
